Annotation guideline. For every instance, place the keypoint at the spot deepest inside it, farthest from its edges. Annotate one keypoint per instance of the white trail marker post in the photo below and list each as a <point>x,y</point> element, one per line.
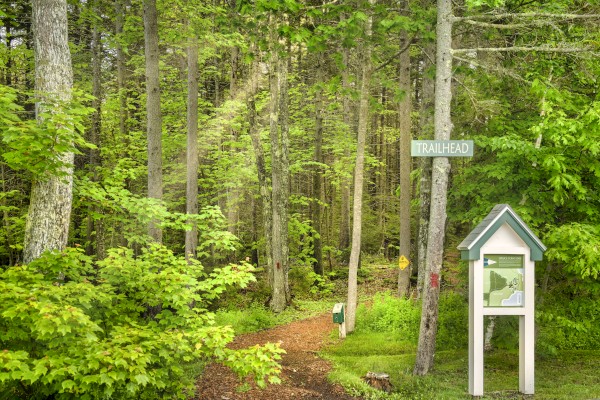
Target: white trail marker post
<point>502,251</point>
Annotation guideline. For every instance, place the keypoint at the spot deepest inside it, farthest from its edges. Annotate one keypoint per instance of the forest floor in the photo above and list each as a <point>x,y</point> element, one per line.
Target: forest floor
<point>304,374</point>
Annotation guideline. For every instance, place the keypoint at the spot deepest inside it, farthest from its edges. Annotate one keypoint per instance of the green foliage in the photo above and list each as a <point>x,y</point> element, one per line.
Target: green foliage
<point>252,319</point>
<point>134,212</point>
<point>402,317</point>
<point>577,247</point>
<point>125,327</point>
<point>305,282</point>
<point>39,146</point>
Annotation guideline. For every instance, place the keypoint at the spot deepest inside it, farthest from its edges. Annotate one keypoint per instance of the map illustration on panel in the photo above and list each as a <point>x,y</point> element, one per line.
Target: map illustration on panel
<point>503,280</point>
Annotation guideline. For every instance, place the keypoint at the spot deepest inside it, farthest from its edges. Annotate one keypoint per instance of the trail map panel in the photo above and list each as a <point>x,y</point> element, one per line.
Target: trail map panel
<point>503,280</point>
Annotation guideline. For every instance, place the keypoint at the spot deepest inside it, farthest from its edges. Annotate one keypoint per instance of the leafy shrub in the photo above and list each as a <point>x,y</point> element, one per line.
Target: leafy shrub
<point>453,321</point>
<point>389,313</point>
<point>253,319</point>
<point>124,328</point>
<point>306,282</point>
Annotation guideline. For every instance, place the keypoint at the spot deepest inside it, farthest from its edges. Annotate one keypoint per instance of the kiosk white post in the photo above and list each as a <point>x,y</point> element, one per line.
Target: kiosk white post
<point>502,252</point>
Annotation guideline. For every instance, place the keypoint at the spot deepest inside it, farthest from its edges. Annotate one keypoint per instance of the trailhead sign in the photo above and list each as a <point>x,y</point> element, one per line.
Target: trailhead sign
<point>441,148</point>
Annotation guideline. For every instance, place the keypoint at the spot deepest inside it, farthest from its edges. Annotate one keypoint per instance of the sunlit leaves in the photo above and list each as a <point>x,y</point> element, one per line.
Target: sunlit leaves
<point>39,147</point>
<point>132,327</point>
<point>577,247</point>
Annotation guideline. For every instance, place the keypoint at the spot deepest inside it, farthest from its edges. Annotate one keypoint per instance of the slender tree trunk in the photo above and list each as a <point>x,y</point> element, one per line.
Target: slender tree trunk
<point>439,190</point>
<point>233,193</point>
<point>426,127</point>
<point>317,181</point>
<point>121,61</point>
<point>344,238</point>
<point>363,119</point>
<point>405,127</point>
<point>154,117</point>
<point>96,225</point>
<point>47,226</point>
<point>191,194</point>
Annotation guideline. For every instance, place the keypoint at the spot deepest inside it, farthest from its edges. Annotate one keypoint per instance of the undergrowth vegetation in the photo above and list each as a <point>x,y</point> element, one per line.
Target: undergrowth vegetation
<point>386,336</point>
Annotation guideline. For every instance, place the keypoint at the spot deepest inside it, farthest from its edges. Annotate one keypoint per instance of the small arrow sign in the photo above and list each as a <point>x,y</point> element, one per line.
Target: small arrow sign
<point>403,262</point>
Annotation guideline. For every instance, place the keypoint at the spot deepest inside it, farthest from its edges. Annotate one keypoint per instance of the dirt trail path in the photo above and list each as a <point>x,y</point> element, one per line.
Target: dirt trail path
<point>304,374</point>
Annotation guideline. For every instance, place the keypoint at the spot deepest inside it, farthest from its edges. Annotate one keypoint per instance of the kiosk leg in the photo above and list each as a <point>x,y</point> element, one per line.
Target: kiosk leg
<point>526,354</point>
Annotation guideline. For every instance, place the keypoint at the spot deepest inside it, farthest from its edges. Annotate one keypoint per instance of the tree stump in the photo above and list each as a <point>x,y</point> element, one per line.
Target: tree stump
<point>379,380</point>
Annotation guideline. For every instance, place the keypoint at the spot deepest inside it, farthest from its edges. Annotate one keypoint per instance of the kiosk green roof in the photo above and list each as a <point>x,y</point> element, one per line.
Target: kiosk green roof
<point>470,248</point>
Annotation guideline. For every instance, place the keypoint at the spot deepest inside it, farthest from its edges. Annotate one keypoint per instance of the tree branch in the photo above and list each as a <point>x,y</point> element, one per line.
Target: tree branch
<point>492,68</point>
<point>402,50</point>
<point>524,15</point>
<point>514,49</point>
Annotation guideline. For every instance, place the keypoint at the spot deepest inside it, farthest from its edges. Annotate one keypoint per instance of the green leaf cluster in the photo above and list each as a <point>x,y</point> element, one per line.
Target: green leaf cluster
<point>124,327</point>
<point>39,146</point>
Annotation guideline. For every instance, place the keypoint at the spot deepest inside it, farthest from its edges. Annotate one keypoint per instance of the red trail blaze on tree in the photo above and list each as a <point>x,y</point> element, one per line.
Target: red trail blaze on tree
<point>435,280</point>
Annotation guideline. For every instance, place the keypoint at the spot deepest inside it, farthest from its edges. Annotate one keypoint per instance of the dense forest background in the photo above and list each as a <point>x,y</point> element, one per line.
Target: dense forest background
<point>283,96</point>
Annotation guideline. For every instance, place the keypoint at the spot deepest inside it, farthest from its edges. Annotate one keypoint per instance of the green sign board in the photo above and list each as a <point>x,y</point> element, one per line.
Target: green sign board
<point>441,148</point>
<point>503,280</point>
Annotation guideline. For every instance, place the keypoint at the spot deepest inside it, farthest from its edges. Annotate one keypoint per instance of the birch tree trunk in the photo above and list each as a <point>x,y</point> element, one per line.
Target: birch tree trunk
<point>439,191</point>
<point>47,226</point>
<point>404,111</point>
<point>154,117</point>
<point>363,119</point>
<point>191,193</point>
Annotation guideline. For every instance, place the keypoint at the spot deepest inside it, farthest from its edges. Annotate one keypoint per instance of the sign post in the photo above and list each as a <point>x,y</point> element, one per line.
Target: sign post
<point>502,251</point>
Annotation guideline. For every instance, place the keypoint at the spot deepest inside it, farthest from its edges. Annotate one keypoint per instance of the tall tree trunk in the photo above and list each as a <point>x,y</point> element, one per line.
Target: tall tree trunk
<point>426,128</point>
<point>278,127</point>
<point>344,238</point>
<point>154,117</point>
<point>263,184</point>
<point>317,181</point>
<point>439,190</point>
<point>121,61</point>
<point>47,226</point>
<point>96,225</point>
<point>363,119</point>
<point>405,127</point>
<point>191,193</point>
<point>233,193</point>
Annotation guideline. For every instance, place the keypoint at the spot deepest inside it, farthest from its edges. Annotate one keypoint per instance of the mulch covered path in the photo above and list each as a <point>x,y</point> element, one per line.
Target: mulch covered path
<point>304,374</point>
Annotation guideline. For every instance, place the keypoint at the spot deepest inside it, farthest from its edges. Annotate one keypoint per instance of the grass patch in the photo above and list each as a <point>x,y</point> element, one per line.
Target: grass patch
<point>385,341</point>
<point>568,375</point>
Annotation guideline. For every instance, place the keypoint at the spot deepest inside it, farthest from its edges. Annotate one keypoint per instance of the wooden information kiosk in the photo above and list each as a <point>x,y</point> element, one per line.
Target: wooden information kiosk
<point>502,252</point>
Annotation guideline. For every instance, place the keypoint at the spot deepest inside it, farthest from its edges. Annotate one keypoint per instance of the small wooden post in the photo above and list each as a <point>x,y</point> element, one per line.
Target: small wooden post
<point>339,317</point>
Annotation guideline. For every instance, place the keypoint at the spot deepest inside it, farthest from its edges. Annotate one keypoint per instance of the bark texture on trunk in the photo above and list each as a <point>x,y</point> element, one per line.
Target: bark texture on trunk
<point>154,117</point>
<point>263,184</point>
<point>363,119</point>
<point>317,183</point>
<point>439,190</point>
<point>344,237</point>
<point>426,125</point>
<point>191,193</point>
<point>280,295</point>
<point>405,127</point>
<point>47,226</point>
